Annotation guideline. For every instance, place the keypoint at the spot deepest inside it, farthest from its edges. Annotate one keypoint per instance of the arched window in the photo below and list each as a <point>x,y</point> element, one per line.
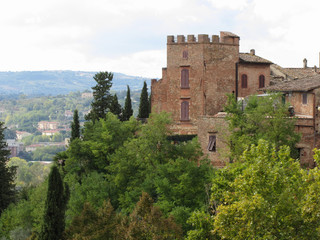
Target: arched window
<point>184,78</point>
<point>185,54</point>
<point>185,110</point>
<point>244,81</point>
<point>261,81</point>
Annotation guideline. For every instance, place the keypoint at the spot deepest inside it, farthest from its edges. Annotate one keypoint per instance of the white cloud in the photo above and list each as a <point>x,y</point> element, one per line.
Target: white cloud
<point>229,4</point>
<point>130,36</point>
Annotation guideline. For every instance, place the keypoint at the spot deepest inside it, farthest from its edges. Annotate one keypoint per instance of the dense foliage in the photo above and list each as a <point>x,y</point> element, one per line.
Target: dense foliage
<point>127,109</point>
<point>54,214</point>
<point>75,126</point>
<point>267,196</point>
<point>144,102</point>
<point>101,96</point>
<point>7,174</point>
<point>259,118</point>
<point>128,180</point>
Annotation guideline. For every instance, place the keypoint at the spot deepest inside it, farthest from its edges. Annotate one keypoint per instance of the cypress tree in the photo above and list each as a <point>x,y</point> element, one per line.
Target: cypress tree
<point>101,96</point>
<point>55,206</point>
<point>75,126</point>
<point>115,107</point>
<point>127,111</point>
<point>7,174</point>
<point>144,102</point>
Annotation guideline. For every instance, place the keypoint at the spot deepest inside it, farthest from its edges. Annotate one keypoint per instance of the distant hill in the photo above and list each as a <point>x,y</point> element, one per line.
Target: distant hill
<point>60,82</point>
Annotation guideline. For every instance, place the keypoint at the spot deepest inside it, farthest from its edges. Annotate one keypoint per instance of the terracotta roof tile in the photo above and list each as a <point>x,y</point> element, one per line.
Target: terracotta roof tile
<point>292,73</point>
<point>299,85</point>
<point>250,58</point>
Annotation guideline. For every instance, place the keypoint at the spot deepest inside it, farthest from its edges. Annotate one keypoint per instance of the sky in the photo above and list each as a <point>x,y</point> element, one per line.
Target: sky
<point>129,36</point>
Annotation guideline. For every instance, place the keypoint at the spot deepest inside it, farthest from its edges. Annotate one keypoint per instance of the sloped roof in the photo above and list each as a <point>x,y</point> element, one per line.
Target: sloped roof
<point>293,73</point>
<point>251,58</point>
<point>299,85</point>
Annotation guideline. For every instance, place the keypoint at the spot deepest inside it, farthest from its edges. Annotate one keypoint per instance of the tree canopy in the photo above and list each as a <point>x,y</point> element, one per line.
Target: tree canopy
<point>101,96</point>
<point>75,126</point>
<point>144,102</point>
<point>259,118</point>
<point>54,215</point>
<point>127,110</point>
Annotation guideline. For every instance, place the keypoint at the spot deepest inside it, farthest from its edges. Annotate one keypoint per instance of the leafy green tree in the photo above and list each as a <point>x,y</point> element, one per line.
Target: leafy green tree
<point>7,174</point>
<point>262,118</point>
<point>75,126</point>
<point>55,206</point>
<point>9,134</point>
<point>147,222</point>
<point>268,199</point>
<point>100,140</point>
<point>101,96</point>
<point>127,111</point>
<point>93,189</point>
<point>94,224</point>
<point>144,102</point>
<point>171,174</point>
<point>202,226</point>
<point>115,107</point>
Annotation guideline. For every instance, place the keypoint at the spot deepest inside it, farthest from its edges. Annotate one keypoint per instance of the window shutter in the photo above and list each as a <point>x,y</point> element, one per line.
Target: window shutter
<point>185,110</point>
<point>244,81</point>
<point>261,81</point>
<point>184,78</point>
<point>212,143</point>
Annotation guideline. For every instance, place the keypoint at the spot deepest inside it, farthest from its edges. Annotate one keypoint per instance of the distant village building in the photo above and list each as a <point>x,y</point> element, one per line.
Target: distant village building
<point>44,125</point>
<point>22,134</point>
<point>49,132</point>
<point>14,147</point>
<point>34,147</point>
<point>87,95</point>
<point>68,114</point>
<point>201,71</point>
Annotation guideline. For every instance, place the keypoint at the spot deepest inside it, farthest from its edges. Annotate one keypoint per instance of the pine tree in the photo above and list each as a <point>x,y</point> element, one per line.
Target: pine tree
<point>75,126</point>
<point>115,107</point>
<point>144,102</point>
<point>101,96</point>
<point>55,206</point>
<point>127,111</point>
<point>7,174</point>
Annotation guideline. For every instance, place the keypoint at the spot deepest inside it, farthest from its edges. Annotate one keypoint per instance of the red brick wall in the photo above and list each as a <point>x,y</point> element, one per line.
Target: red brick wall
<point>253,71</point>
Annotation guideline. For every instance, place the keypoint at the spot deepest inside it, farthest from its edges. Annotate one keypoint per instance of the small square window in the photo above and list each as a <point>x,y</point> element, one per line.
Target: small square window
<point>212,143</point>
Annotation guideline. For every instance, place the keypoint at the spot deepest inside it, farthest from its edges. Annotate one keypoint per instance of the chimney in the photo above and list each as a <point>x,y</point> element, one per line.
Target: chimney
<point>305,63</point>
<point>253,52</point>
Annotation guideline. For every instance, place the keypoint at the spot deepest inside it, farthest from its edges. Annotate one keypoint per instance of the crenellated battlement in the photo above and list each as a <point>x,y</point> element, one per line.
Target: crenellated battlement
<point>224,38</point>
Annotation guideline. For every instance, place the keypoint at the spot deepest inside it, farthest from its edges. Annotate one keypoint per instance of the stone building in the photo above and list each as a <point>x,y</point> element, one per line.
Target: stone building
<point>199,74</point>
<point>201,71</point>
<point>303,95</point>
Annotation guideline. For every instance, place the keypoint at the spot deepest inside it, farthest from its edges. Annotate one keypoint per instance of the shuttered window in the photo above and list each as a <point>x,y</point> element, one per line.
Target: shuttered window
<point>244,81</point>
<point>261,81</point>
<point>304,98</point>
<point>184,78</point>
<point>212,143</point>
<point>185,110</point>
